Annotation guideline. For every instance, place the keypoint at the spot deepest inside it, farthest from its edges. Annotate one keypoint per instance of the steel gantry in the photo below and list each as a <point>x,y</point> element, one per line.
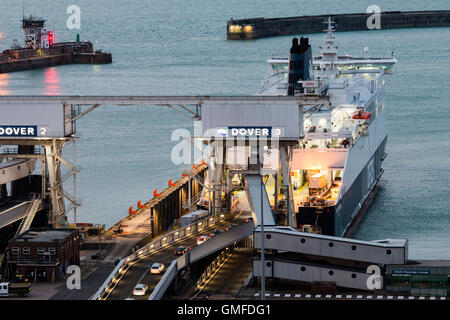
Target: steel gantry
<point>73,108</point>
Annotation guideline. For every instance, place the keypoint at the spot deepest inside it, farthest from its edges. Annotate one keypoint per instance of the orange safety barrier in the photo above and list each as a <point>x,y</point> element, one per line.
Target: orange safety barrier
<point>171,184</point>
<point>156,194</point>
<point>131,211</point>
<point>140,205</point>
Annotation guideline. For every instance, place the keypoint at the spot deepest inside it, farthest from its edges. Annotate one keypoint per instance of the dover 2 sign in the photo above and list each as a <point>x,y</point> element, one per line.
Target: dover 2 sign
<point>22,131</point>
<point>35,119</point>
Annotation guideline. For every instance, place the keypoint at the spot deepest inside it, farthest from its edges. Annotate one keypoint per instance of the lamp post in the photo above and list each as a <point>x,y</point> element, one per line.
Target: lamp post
<point>263,269</point>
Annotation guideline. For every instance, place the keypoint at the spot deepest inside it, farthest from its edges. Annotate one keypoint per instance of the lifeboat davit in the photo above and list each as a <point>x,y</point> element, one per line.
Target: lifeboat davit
<point>362,115</point>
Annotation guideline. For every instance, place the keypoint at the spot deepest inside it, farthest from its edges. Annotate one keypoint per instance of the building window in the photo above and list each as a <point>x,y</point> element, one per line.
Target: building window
<point>52,251</point>
<point>40,250</point>
<point>26,250</point>
<point>15,250</point>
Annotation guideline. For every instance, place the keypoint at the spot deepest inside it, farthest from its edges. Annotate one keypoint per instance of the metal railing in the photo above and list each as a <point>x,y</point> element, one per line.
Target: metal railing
<point>162,241</point>
<point>165,281</point>
<point>214,265</point>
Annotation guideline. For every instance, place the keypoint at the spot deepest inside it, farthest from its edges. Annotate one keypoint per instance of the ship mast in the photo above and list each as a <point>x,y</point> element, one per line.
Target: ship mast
<point>329,49</point>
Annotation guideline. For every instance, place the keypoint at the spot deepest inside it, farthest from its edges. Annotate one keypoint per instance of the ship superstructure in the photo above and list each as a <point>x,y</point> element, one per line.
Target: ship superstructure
<point>328,57</point>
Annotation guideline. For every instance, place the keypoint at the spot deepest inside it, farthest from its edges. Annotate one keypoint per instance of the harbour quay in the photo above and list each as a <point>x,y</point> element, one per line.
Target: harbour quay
<point>255,28</point>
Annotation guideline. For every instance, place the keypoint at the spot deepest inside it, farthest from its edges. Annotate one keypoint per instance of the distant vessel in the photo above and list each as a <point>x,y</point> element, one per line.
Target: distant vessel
<point>336,167</point>
<point>41,51</point>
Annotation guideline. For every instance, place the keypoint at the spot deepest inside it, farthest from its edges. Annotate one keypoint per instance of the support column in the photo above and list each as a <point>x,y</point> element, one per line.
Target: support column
<point>286,168</point>
<point>52,183</point>
<point>55,188</point>
<point>217,194</point>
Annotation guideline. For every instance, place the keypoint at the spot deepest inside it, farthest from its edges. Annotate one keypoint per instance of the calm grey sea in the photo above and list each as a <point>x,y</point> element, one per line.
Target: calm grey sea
<point>180,47</point>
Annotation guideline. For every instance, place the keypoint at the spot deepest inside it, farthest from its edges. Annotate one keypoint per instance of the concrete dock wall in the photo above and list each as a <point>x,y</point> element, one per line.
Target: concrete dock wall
<point>168,205</point>
<point>254,28</point>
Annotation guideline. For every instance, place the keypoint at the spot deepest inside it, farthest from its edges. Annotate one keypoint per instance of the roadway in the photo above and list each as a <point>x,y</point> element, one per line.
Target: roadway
<point>139,271</point>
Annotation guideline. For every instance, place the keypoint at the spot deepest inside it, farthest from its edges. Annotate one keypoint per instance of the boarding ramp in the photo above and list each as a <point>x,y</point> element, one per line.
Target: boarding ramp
<point>209,247</point>
<point>253,189</point>
<point>382,252</point>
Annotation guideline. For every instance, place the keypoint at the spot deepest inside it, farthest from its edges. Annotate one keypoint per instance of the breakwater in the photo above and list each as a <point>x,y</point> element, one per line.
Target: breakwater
<point>254,28</point>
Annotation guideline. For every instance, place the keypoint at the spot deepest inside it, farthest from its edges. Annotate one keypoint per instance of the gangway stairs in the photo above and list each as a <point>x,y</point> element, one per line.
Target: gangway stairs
<point>29,216</point>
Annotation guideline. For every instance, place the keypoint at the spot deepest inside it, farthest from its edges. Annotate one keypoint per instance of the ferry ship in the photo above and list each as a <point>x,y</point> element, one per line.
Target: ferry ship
<point>335,168</point>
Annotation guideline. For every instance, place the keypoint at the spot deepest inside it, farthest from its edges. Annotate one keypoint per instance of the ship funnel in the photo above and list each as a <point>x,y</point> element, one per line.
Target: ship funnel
<point>300,64</point>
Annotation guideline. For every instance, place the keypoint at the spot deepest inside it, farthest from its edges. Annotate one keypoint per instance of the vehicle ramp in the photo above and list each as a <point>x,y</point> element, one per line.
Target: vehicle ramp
<point>389,251</point>
<point>13,212</point>
<point>310,257</point>
<point>209,247</point>
<point>258,201</point>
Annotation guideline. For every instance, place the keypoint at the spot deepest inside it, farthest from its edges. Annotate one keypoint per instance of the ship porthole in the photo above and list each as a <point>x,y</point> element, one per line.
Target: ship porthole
<point>388,251</point>
<point>268,236</point>
<point>269,264</point>
<point>353,247</point>
<point>331,272</point>
<point>354,275</point>
<point>331,244</point>
<point>303,268</point>
<point>302,240</point>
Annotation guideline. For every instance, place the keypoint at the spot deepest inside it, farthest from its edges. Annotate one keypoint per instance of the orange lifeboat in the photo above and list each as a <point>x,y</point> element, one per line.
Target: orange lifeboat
<point>156,194</point>
<point>171,184</point>
<point>362,115</point>
<point>131,211</point>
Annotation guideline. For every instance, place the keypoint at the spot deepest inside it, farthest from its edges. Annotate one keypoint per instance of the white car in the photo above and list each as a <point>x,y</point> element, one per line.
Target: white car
<point>157,268</point>
<point>140,290</point>
<point>201,239</point>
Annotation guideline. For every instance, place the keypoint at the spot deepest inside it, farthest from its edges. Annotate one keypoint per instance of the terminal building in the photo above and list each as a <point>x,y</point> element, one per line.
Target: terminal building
<point>43,254</point>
